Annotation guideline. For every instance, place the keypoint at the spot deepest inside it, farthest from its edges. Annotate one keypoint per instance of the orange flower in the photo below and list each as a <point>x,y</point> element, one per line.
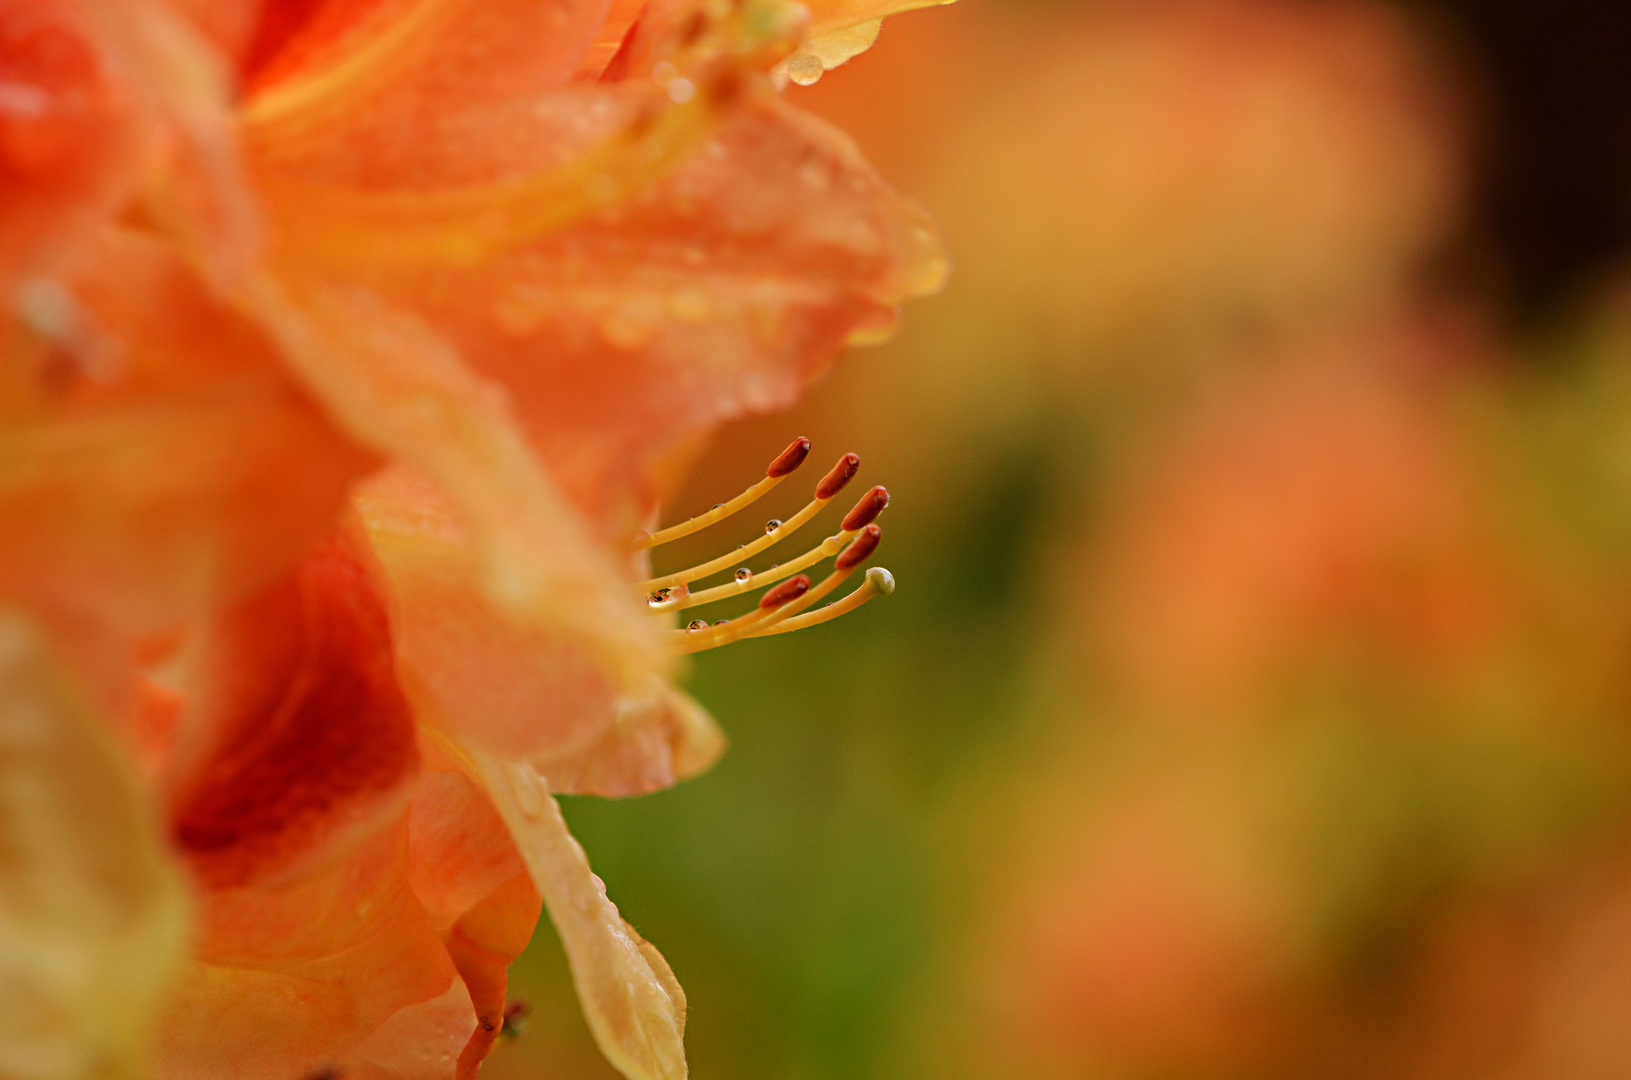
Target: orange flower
<point>348,345</point>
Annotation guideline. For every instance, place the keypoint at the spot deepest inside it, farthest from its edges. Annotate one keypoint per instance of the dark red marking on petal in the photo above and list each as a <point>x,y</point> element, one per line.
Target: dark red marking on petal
<point>791,458</point>
<point>870,506</point>
<point>791,589</point>
<point>321,734</point>
<point>861,549</point>
<point>841,474</point>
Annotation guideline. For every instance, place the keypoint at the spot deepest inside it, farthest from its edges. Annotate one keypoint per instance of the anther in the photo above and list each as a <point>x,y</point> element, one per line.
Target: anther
<point>787,591</point>
<point>870,506</point>
<point>841,474</point>
<point>785,463</point>
<point>790,459</point>
<point>861,550</point>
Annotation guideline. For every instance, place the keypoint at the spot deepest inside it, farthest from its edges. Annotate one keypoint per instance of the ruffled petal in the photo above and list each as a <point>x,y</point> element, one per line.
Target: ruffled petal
<point>630,998</point>
<point>286,982</point>
<point>654,741</point>
<point>92,914</point>
<point>398,387</point>
<point>419,1042</point>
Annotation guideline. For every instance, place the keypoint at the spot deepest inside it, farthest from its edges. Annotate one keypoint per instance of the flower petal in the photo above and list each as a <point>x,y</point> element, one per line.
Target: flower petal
<point>308,743</point>
<point>655,741</point>
<point>150,437</point>
<point>92,919</point>
<point>288,981</point>
<point>630,998</point>
<point>506,685</point>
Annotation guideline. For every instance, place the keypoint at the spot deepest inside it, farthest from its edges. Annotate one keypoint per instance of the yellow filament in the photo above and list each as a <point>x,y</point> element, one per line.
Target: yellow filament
<point>754,622</point>
<point>747,551</point>
<point>690,641</point>
<point>866,591</point>
<point>717,514</point>
<point>824,550</point>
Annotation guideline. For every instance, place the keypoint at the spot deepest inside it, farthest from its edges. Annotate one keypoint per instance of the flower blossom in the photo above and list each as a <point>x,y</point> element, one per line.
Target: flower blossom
<point>348,347</point>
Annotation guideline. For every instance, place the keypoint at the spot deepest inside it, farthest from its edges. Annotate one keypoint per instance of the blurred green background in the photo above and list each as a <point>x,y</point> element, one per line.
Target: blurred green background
<point>1255,700</point>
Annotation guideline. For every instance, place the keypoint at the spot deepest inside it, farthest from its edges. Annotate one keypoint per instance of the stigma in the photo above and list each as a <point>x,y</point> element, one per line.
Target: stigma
<point>789,594</point>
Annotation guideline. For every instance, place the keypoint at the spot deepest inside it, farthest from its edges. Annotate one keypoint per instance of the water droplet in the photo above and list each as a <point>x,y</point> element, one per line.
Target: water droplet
<point>659,597</point>
<point>698,624</point>
<point>744,574</point>
<point>528,795</point>
<point>716,506</point>
<point>773,524</point>
<point>805,69</point>
<point>721,622</point>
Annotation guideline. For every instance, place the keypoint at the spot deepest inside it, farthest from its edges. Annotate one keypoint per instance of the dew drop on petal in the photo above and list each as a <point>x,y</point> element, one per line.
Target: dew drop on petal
<point>744,574</point>
<point>805,69</point>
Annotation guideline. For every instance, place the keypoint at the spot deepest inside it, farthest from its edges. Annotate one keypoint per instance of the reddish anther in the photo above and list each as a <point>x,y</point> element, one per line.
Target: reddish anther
<point>841,474</point>
<point>791,458</point>
<point>870,506</point>
<point>791,589</point>
<point>860,549</point>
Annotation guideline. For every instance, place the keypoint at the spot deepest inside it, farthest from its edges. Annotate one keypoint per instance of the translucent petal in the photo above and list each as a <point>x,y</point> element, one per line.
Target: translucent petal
<point>633,1004</point>
<point>92,918</point>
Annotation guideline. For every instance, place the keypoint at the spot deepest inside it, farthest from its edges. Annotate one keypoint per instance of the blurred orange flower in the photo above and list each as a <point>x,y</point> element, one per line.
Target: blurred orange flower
<point>347,343</point>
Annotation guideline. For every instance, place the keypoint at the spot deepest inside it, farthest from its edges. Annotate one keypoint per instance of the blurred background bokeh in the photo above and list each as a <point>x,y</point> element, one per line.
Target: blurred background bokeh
<point>1256,701</point>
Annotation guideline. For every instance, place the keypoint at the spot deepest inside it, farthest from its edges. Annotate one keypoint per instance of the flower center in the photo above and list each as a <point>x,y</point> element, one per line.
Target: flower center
<point>783,607</point>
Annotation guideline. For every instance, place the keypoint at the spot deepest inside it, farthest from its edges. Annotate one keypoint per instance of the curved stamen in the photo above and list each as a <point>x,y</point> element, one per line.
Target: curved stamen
<point>690,641</point>
<point>879,582</point>
<point>832,483</point>
<point>789,460</point>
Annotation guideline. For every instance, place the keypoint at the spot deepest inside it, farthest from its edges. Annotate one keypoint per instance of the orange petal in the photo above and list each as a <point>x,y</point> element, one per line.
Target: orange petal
<point>419,1042</point>
<point>517,687</point>
<point>630,998</point>
<point>150,438</point>
<point>69,135</point>
<point>657,740</point>
<point>311,743</point>
<point>288,981</point>
<point>399,388</point>
<point>483,944</point>
<point>459,850</point>
<point>512,689</point>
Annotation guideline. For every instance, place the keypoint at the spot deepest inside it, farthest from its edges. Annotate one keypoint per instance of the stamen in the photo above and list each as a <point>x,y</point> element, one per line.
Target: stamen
<point>727,631</point>
<point>832,483</point>
<point>785,601</point>
<point>785,604</point>
<point>787,461</point>
<point>679,598</point>
<point>879,582</point>
<point>867,510</point>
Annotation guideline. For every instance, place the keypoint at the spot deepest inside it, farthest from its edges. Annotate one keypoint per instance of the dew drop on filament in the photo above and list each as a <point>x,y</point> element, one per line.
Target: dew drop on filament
<point>744,574</point>
<point>698,624</point>
<point>773,524</point>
